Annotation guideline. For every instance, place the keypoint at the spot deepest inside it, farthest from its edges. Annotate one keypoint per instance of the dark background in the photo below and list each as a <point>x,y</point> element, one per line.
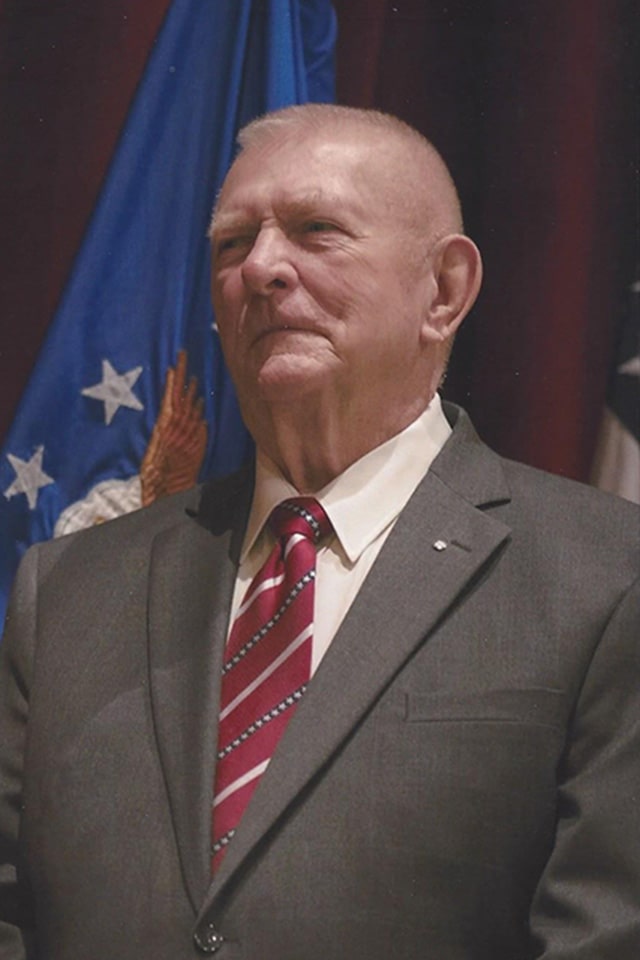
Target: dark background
<point>533,103</point>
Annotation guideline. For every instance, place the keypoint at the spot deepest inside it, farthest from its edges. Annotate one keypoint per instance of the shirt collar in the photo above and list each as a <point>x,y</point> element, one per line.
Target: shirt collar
<point>365,499</point>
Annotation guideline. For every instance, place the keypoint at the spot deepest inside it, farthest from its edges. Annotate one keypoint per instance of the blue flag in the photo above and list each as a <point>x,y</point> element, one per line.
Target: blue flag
<point>130,398</point>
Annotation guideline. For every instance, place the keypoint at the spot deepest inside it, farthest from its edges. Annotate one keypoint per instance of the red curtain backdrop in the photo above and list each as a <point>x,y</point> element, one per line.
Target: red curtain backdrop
<point>68,72</point>
<point>532,104</point>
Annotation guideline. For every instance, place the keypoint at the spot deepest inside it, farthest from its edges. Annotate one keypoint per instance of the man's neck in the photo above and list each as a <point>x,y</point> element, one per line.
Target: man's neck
<point>311,448</point>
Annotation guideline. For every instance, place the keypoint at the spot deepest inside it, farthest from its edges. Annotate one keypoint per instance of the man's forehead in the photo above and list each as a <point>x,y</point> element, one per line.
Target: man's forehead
<point>310,155</point>
<point>285,203</point>
<point>388,170</point>
<point>324,176</point>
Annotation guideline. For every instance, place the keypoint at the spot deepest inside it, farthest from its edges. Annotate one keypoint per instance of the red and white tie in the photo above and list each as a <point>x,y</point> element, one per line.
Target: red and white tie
<point>267,663</point>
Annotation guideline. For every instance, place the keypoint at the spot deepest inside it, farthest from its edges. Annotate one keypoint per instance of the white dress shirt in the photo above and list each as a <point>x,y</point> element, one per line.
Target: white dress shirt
<point>363,504</point>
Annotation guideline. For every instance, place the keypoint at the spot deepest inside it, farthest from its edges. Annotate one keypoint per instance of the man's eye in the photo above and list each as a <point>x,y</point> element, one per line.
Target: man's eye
<point>232,243</point>
<point>318,226</point>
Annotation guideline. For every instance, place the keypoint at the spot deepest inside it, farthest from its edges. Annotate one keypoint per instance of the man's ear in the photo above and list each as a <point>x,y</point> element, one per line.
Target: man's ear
<point>457,275</point>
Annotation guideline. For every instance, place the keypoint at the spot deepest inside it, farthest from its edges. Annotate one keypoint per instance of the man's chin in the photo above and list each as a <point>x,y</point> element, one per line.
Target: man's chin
<point>291,373</point>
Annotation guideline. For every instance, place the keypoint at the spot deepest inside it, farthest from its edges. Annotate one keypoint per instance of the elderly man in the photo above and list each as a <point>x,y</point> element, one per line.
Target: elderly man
<point>376,697</point>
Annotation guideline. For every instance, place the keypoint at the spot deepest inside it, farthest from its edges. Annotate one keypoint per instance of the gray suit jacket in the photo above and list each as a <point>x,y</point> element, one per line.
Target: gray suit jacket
<point>460,782</point>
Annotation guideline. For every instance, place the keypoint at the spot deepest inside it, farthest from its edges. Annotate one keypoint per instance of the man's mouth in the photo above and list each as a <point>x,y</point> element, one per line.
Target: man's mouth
<point>281,328</point>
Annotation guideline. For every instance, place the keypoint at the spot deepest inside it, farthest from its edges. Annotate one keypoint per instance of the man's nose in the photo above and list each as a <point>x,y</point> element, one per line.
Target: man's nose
<point>268,265</point>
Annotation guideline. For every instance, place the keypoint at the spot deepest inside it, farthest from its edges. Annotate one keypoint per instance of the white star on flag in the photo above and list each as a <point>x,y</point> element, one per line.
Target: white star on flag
<point>30,477</point>
<point>115,390</point>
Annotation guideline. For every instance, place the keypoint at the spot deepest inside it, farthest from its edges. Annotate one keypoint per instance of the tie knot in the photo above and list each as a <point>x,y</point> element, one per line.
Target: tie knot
<point>302,515</point>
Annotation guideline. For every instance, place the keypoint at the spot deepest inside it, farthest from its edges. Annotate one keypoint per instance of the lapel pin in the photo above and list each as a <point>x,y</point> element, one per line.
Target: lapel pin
<point>440,545</point>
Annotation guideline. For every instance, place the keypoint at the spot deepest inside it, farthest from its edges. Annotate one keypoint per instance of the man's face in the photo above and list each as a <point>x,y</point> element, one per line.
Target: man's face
<point>319,282</point>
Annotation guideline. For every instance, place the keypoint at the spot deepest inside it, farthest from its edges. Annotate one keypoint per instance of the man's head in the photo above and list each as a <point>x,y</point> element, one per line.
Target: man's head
<point>340,271</point>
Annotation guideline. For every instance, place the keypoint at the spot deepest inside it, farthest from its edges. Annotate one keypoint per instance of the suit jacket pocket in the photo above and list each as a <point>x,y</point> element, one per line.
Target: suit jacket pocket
<point>545,706</point>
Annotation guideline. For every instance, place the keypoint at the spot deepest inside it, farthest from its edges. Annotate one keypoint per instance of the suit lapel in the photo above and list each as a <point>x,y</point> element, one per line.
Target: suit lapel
<point>192,574</point>
<point>412,585</point>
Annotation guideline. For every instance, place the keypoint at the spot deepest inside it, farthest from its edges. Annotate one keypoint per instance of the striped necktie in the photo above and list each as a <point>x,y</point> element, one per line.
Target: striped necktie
<point>267,662</point>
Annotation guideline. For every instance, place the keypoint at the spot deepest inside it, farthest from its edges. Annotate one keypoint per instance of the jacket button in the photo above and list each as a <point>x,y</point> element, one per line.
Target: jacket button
<point>207,939</point>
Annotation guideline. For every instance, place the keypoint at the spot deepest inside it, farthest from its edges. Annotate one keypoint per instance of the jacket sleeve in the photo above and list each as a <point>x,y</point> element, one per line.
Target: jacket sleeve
<point>587,906</point>
<point>17,935</point>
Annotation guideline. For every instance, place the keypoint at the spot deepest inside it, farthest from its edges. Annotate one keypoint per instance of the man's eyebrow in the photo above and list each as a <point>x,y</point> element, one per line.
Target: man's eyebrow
<point>311,204</point>
<point>318,204</point>
<point>226,222</point>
